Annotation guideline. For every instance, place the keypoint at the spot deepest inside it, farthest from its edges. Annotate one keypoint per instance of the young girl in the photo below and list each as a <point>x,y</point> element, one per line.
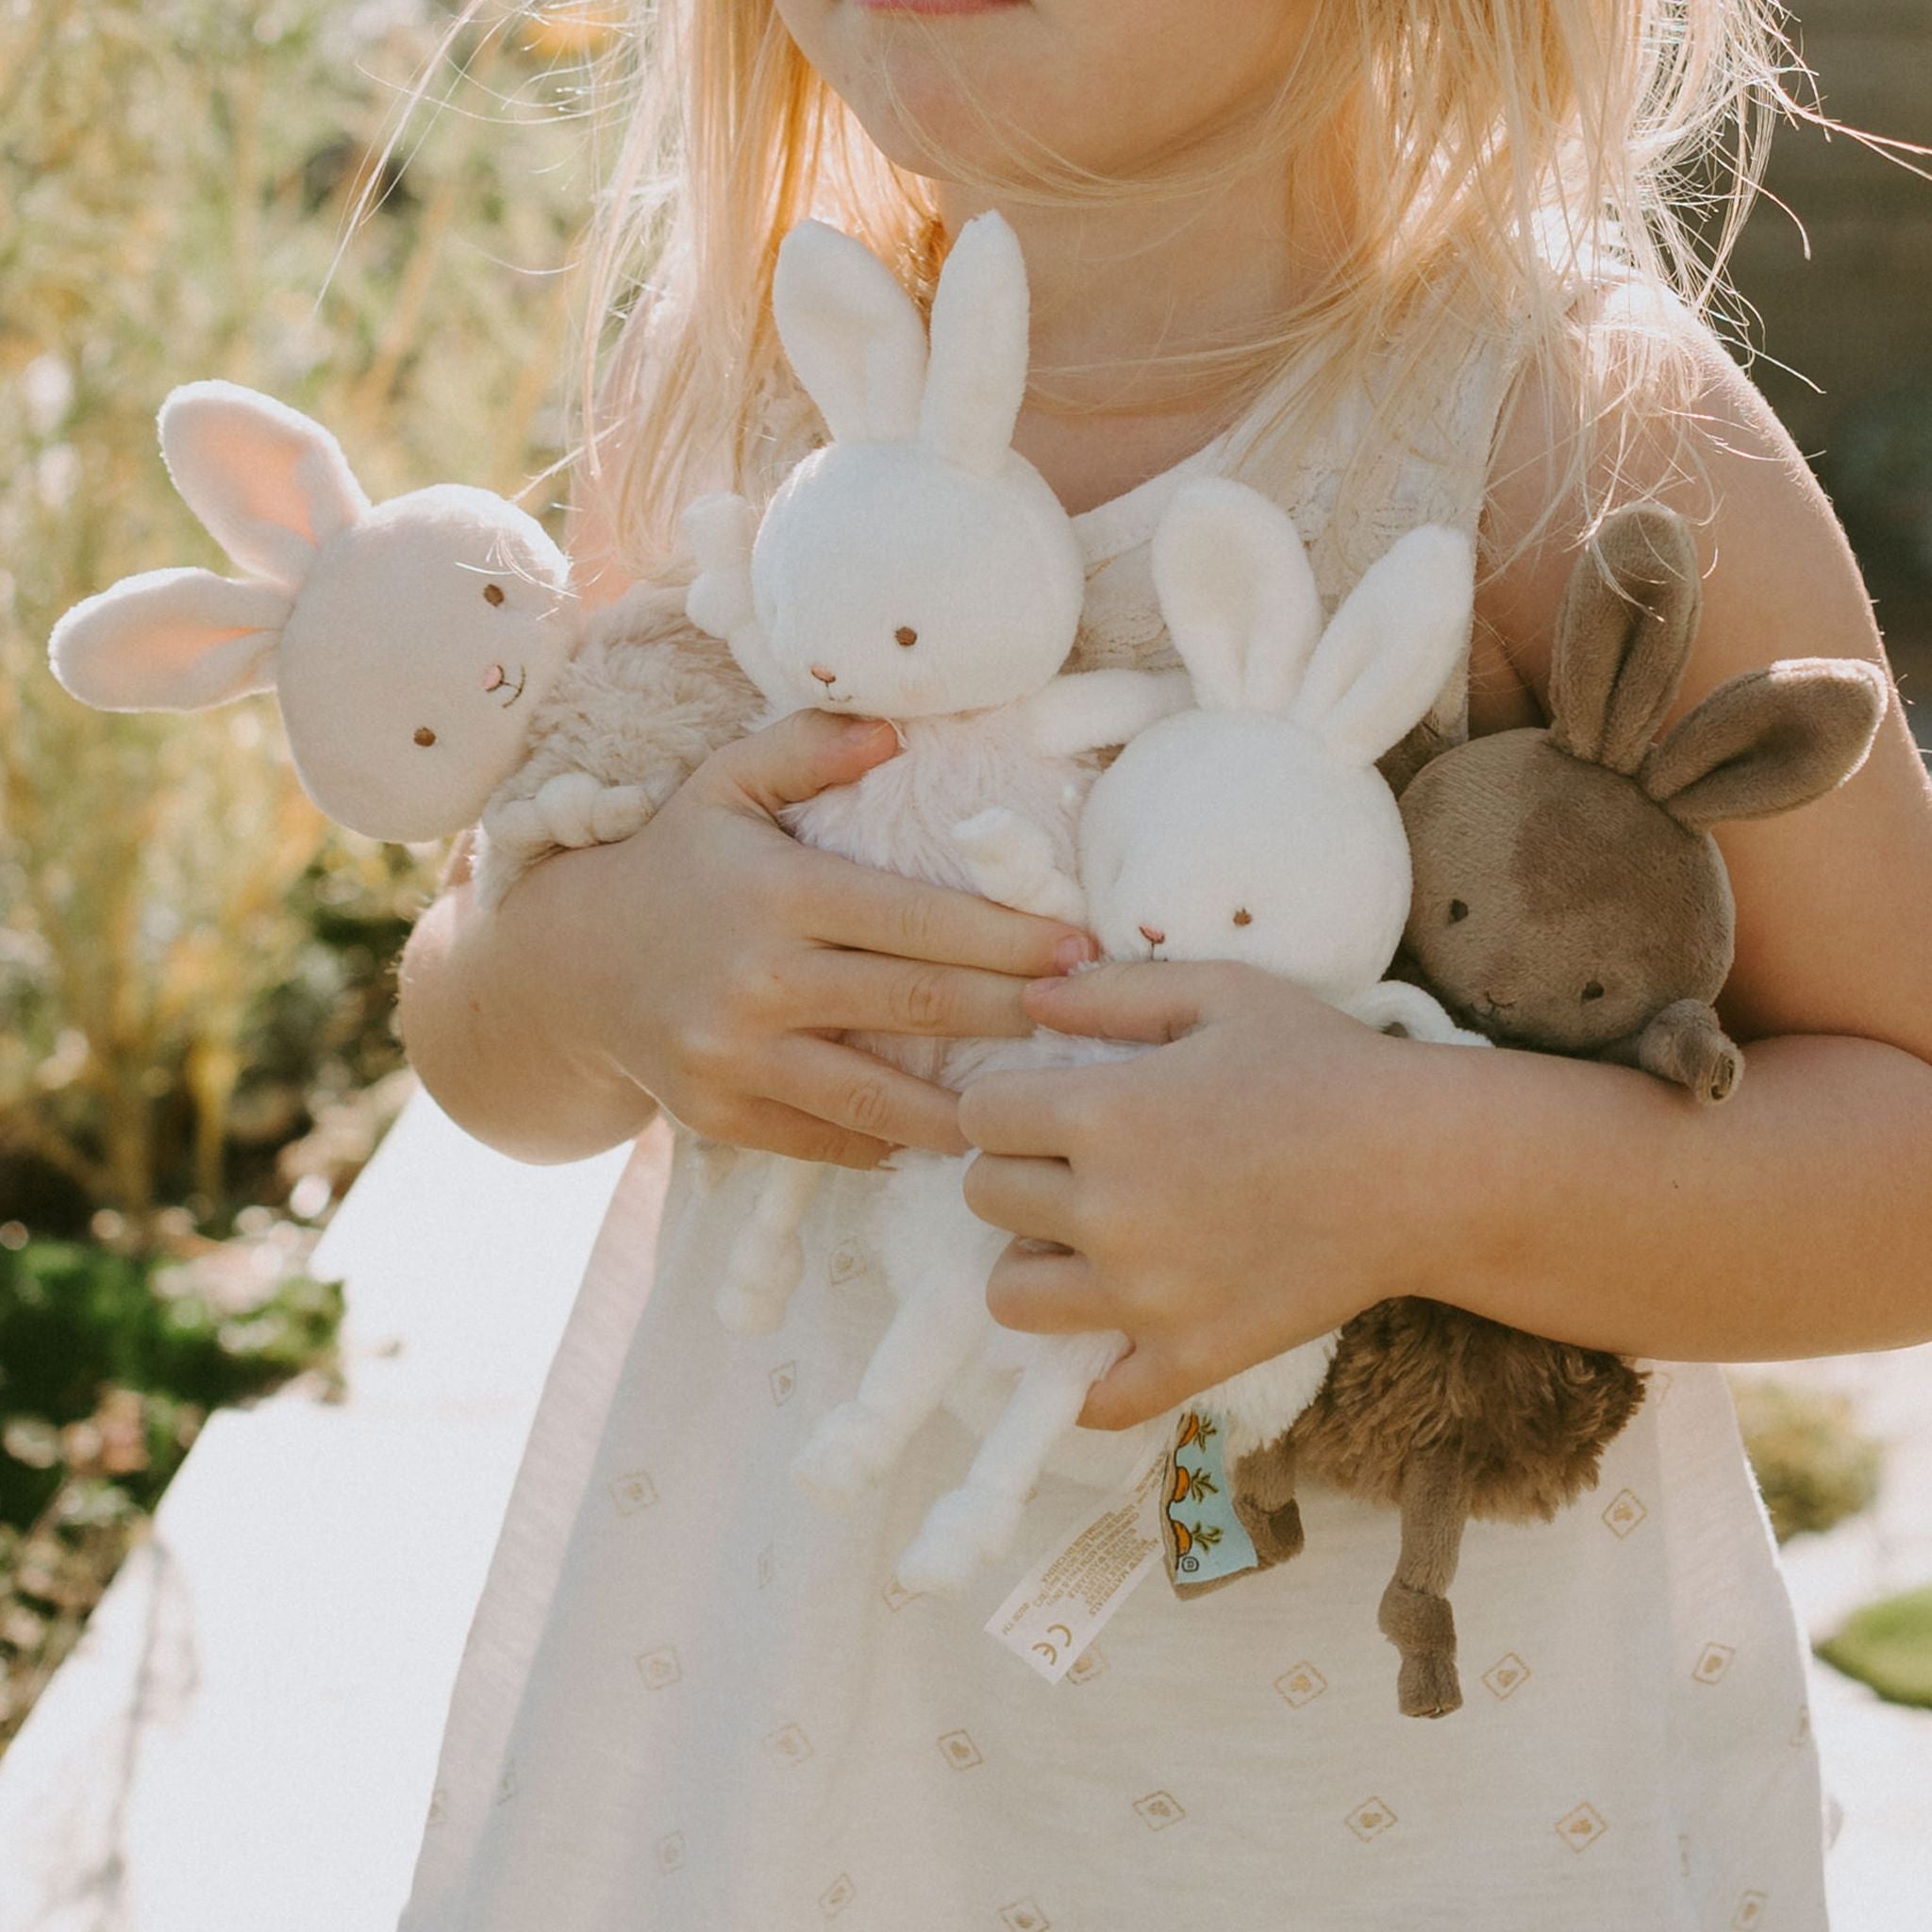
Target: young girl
<point>1394,260</point>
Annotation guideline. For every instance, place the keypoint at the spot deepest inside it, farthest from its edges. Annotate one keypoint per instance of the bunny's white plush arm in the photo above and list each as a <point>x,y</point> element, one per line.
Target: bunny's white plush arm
<point>1087,709</point>
<point>1011,860</point>
<point>721,529</point>
<point>1394,1002</point>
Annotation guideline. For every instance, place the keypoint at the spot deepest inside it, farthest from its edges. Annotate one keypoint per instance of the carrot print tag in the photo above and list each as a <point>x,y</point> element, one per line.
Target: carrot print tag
<point>1204,1539</point>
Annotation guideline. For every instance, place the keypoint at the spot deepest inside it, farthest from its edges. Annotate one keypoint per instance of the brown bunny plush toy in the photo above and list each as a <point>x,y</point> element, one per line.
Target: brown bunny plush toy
<point>1568,898</point>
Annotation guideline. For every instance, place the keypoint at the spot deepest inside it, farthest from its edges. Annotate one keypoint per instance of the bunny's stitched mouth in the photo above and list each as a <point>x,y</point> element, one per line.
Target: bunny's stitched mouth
<point>493,679</point>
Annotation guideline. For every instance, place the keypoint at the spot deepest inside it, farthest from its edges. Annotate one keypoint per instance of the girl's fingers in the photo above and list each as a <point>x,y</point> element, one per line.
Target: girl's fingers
<point>866,991</point>
<point>1140,1385</point>
<point>850,1089</point>
<point>1028,1114</point>
<point>774,1129</point>
<point>1158,1001</point>
<point>793,759</point>
<point>1041,1291</point>
<point>1032,1198</point>
<point>879,912</point>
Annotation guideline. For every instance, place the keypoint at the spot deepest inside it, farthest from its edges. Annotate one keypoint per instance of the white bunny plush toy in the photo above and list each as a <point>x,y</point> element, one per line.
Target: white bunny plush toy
<point>915,569</point>
<point>1255,828</point>
<point>420,649</point>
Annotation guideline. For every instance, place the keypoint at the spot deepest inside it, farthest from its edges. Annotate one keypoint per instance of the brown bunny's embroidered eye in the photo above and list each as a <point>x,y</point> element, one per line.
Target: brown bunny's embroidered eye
<point>492,593</point>
<point>1594,991</point>
<point>905,635</point>
<point>424,736</point>
<point>1243,917</point>
<point>1457,911</point>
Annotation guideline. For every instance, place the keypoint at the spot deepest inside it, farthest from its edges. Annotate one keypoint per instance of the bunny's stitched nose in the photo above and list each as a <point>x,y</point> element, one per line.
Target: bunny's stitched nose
<point>1153,936</point>
<point>824,676</point>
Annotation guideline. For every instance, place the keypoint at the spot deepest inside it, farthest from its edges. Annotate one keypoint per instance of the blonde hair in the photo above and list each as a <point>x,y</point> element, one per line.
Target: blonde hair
<point>1502,156</point>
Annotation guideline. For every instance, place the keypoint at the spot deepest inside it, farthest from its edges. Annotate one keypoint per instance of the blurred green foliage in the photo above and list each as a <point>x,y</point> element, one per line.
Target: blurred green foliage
<point>189,955</point>
<point>1815,1465</point>
<point>1889,1646</point>
<point>194,968</point>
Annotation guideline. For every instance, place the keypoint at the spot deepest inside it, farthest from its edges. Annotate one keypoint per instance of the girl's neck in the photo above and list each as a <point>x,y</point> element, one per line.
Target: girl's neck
<point>1114,289</point>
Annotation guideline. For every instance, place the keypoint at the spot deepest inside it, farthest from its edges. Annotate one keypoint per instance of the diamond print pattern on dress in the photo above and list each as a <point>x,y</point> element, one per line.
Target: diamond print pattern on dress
<point>1751,1910</point>
<point>837,1896</point>
<point>1022,1915</point>
<point>959,1751</point>
<point>848,1258</point>
<point>784,1380</point>
<point>633,1493</point>
<point>1301,1684</point>
<point>1713,1660</point>
<point>659,1667</point>
<point>1580,1828</point>
<point>1085,1667</point>
<point>669,1852</point>
<point>1159,1810</point>
<point>1506,1675</point>
<point>1370,1819</point>
<point>897,1596</point>
<point>1624,1512</point>
<point>789,1743</point>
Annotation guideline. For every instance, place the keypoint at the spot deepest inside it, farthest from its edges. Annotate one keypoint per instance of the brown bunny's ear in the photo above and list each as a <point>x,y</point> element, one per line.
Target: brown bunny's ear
<point>1767,741</point>
<point>1624,637</point>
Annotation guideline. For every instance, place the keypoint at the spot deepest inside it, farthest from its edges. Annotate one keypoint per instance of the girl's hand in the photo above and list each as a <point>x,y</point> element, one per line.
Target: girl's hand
<point>710,958</point>
<point>1258,1179</point>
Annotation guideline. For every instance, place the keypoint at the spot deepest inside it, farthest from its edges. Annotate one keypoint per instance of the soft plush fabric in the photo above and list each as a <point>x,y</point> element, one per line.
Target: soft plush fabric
<point>917,569</point>
<point>406,641</point>
<point>1567,897</point>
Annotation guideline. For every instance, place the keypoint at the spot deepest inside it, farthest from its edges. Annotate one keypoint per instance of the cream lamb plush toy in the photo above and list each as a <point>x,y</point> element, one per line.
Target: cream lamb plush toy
<point>431,662</point>
<point>916,569</point>
<point>1255,828</point>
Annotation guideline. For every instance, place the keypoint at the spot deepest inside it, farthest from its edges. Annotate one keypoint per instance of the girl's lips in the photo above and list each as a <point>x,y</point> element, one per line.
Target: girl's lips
<point>938,7</point>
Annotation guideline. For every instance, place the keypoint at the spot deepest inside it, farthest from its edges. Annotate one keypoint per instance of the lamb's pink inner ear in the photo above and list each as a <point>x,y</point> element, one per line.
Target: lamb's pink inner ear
<point>271,484</point>
<point>170,641</point>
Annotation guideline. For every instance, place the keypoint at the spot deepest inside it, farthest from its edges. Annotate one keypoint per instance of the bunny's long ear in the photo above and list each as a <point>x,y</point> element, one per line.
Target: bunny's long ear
<point>170,641</point>
<point>977,377</point>
<point>851,333</point>
<point>271,485</point>
<point>1238,594</point>
<point>1392,646</point>
<point>1623,638</point>
<point>1767,741</point>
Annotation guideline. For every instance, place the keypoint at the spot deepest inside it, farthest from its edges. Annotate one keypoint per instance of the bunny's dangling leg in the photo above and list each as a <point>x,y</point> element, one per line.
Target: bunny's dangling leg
<point>1264,1500</point>
<point>936,1255</point>
<point>1415,1614</point>
<point>767,1260</point>
<point>976,1521</point>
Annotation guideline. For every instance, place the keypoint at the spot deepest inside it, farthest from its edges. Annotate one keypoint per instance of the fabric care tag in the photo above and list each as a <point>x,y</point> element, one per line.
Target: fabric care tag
<point>1205,1540</point>
<point>1064,1602</point>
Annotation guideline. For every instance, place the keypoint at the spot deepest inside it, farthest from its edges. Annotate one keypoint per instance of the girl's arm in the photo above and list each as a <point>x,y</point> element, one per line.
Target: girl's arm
<point>1277,1170</point>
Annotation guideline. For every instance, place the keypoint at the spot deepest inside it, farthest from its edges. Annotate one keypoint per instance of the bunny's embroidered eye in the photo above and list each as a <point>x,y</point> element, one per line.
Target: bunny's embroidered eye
<point>424,736</point>
<point>1243,917</point>
<point>1594,991</point>
<point>492,593</point>
<point>1457,911</point>
<point>905,635</point>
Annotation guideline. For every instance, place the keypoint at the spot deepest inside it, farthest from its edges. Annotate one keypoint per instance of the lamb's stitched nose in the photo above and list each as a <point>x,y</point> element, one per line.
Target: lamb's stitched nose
<point>1153,937</point>
<point>823,676</point>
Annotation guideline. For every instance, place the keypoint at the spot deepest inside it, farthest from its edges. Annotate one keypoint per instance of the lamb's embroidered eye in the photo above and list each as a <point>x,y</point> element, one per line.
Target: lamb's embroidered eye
<point>492,593</point>
<point>905,635</point>
<point>1594,991</point>
<point>1457,911</point>
<point>1243,917</point>
<point>424,736</point>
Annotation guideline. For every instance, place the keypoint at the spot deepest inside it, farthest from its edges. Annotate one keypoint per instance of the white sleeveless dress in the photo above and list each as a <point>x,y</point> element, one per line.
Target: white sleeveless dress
<point>693,1702</point>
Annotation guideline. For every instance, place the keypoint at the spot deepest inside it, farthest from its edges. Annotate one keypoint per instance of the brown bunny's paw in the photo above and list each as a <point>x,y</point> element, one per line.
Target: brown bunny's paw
<point>1423,1628</point>
<point>1685,1044</point>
